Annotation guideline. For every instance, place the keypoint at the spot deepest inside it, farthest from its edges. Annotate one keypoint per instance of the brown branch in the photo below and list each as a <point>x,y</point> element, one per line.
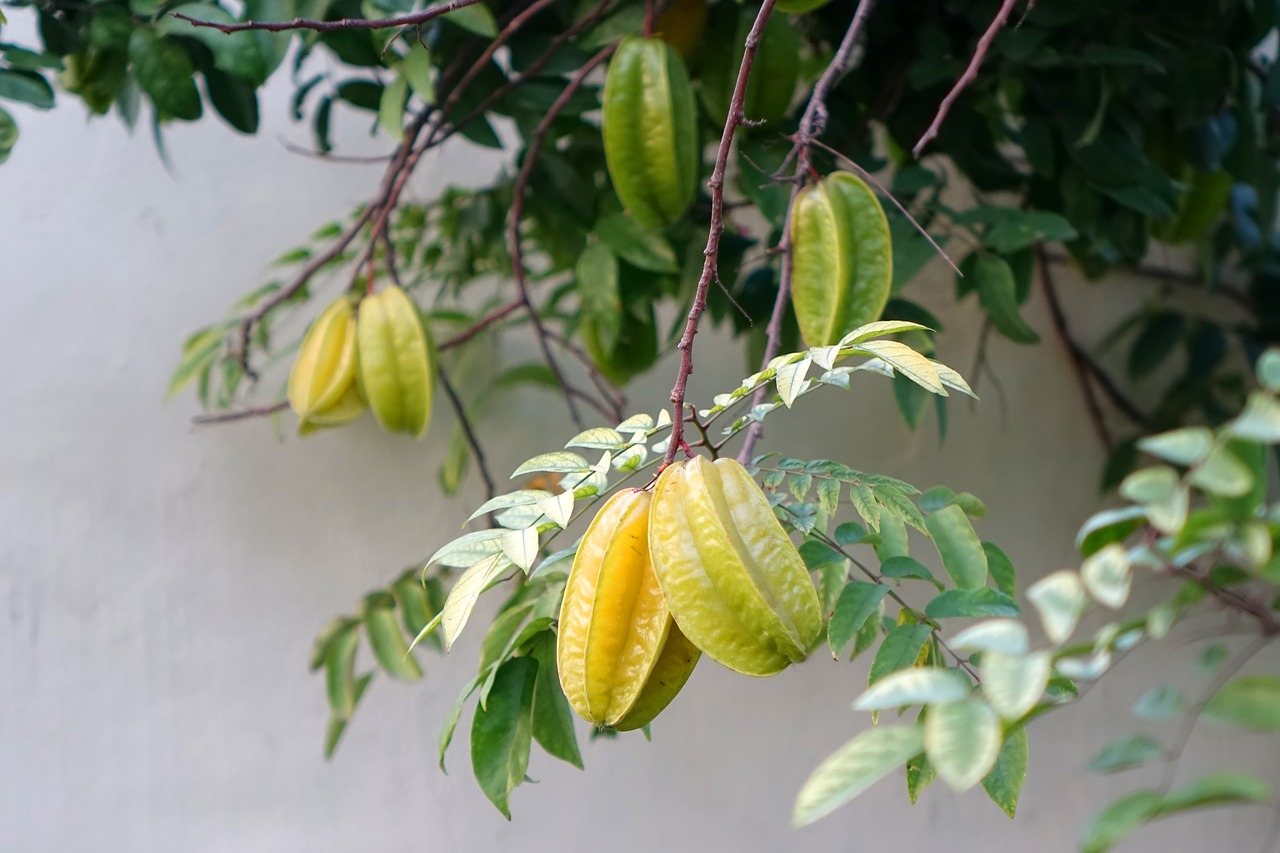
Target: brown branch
<point>234,415</point>
<point>812,124</point>
<point>517,212</point>
<point>1235,600</point>
<point>408,20</point>
<point>732,121</point>
<point>480,325</point>
<point>1083,364</point>
<point>617,400</point>
<point>463,421</point>
<point>969,75</point>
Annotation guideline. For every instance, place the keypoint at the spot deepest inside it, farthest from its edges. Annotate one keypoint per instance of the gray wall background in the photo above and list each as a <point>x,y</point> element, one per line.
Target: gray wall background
<point>161,585</point>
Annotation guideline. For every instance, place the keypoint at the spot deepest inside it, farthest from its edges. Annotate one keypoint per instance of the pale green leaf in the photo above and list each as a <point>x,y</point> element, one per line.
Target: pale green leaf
<point>1059,598</point>
<point>521,546</point>
<point>915,686</point>
<point>1268,369</point>
<point>791,380</point>
<point>468,549</point>
<point>462,598</point>
<point>1150,485</point>
<point>1013,684</point>
<point>1107,577</point>
<point>908,362</point>
<point>1260,420</point>
<point>1185,446</point>
<point>854,768</point>
<point>521,497</point>
<point>1127,752</point>
<point>558,508</point>
<point>1222,474</point>
<point>962,740</point>
<point>600,438</point>
<point>1250,702</point>
<point>560,461</point>
<point>1007,636</point>
<point>878,329</point>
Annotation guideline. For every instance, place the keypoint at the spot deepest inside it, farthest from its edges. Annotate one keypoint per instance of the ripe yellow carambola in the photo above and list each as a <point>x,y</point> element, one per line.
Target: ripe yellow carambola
<point>841,258</point>
<point>322,388</point>
<point>621,657</point>
<point>735,584</point>
<point>395,361</point>
<point>650,131</point>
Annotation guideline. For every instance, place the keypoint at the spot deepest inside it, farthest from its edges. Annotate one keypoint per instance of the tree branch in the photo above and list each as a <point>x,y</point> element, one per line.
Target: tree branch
<point>409,20</point>
<point>463,421</point>
<point>969,75</point>
<point>517,212</point>
<point>812,124</point>
<point>233,415</point>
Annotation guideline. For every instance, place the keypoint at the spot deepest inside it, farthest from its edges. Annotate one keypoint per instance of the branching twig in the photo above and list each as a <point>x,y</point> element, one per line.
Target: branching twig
<point>970,73</point>
<point>812,123</point>
<point>465,423</point>
<point>617,400</point>
<point>233,415</point>
<point>1084,365</point>
<point>732,121</point>
<point>480,325</point>
<point>517,211</point>
<point>409,20</point>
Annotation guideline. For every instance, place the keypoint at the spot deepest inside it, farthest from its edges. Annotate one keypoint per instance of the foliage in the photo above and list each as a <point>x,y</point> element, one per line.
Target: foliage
<point>1090,133</point>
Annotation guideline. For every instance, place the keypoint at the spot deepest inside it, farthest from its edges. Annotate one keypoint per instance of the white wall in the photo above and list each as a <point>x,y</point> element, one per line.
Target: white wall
<point>161,585</point>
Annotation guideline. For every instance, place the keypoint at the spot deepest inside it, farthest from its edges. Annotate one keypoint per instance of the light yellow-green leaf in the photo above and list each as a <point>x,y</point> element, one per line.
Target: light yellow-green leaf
<point>908,362</point>
<point>1185,446</point>
<point>1059,598</point>
<point>600,438</point>
<point>468,549</point>
<point>791,380</point>
<point>914,686</point>
<point>854,768</point>
<point>521,546</point>
<point>561,461</point>
<point>1007,636</point>
<point>462,598</point>
<point>1013,684</point>
<point>1107,575</point>
<point>962,740</point>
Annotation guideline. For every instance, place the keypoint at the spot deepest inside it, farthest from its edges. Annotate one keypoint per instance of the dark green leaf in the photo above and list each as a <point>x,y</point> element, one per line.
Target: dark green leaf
<point>1159,335</point>
<point>971,603</point>
<point>165,72</point>
<point>27,87</point>
<point>997,292</point>
<point>907,567</point>
<point>387,640</point>
<point>1127,752</point>
<point>338,725</point>
<point>501,733</point>
<point>238,54</point>
<point>552,716</point>
<point>900,649</point>
<point>235,100</point>
<point>857,602</point>
<point>8,134</point>
<point>363,94</point>
<point>1004,783</point>
<point>1001,568</point>
<point>639,246</point>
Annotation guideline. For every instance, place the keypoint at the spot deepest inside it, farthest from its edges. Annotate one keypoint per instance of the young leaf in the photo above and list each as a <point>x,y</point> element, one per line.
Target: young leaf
<point>502,731</point>
<point>1185,446</point>
<point>1260,420</point>
<point>1007,636</point>
<point>1107,577</point>
<point>1060,599</point>
<point>1013,684</point>
<point>462,598</point>
<point>914,686</point>
<point>959,546</point>
<point>962,739</point>
<point>340,677</point>
<point>1004,783</point>
<point>854,768</point>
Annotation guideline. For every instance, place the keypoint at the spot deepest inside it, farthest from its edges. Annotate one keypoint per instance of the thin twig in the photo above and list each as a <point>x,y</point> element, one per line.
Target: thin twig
<point>240,414</point>
<point>409,20</point>
<point>969,75</point>
<point>463,421</point>
<point>732,121</point>
<point>812,123</point>
<point>1083,364</point>
<point>1192,715</point>
<point>607,389</point>
<point>517,211</point>
<point>480,325</point>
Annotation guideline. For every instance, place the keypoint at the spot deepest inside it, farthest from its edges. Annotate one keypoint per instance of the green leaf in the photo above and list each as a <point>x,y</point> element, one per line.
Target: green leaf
<point>1060,599</point>
<point>1268,367</point>
<point>164,71</point>
<point>1001,569</point>
<point>971,603</point>
<point>1217,789</point>
<point>462,598</point>
<point>476,19</point>
<point>920,774</point>
<point>340,678</point>
<point>1260,420</point>
<point>1160,703</point>
<point>417,71</point>
<point>998,294</point>
<point>962,740</point>
<point>560,461</point>
<point>503,629</point>
<point>1250,702</point>
<point>451,724</point>
<point>198,352</point>
<point>641,247</point>
<point>387,640</point>
<point>1013,233</point>
<point>1127,752</point>
<point>8,134</point>
<point>238,54</point>
<point>338,725</point>
<point>391,104</point>
<point>914,686</point>
<point>1157,340</point>
<point>1012,683</point>
<point>854,768</point>
<point>552,716</point>
<point>959,546</point>
<point>857,601</point>
<point>1185,446</point>
<point>468,549</point>
<point>1119,819</point>
<point>907,567</point>
<point>900,649</point>
<point>502,731</point>
<point>1004,783</point>
<point>1113,525</point>
<point>234,99</point>
<point>27,87</point>
<point>906,361</point>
